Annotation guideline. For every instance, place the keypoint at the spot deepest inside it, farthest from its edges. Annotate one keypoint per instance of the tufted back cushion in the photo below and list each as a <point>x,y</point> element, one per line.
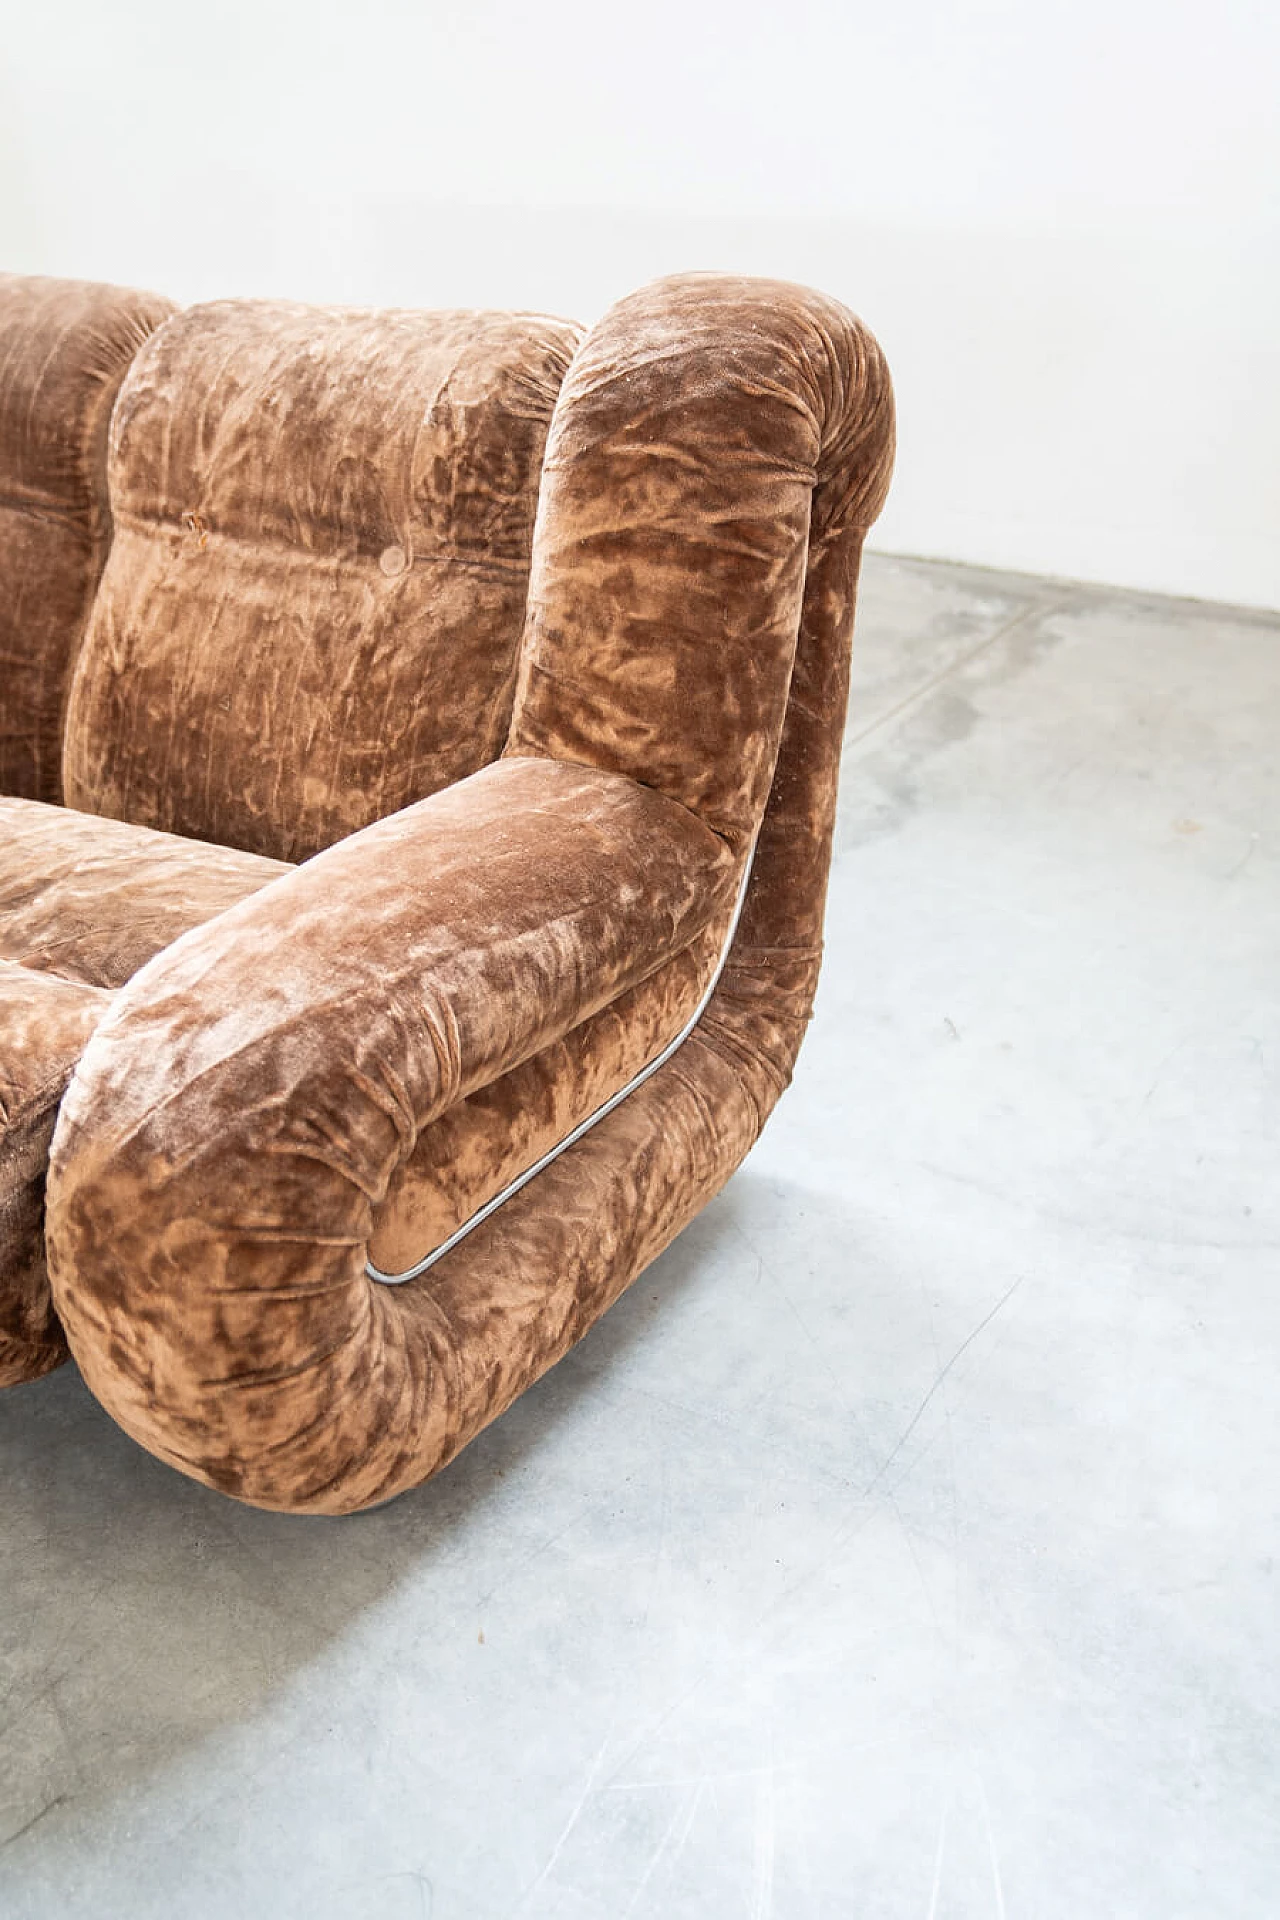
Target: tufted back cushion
<point>311,612</point>
<point>64,348</point>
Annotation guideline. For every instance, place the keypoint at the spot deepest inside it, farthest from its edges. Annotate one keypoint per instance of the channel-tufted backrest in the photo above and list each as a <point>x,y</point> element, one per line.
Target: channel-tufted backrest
<point>64,348</point>
<point>312,609</point>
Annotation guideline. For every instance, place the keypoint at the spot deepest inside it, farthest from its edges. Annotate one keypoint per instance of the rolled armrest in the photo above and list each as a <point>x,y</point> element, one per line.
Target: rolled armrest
<point>238,1116</point>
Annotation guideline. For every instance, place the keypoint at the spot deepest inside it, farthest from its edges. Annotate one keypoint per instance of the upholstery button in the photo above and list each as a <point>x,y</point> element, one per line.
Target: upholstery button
<point>393,561</point>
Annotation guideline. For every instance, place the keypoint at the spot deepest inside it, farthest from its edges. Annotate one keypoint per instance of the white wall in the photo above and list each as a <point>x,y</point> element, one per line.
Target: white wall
<point>1062,217</point>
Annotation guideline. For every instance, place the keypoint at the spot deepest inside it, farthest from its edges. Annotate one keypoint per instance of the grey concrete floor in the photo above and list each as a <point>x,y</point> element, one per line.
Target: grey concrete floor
<point>905,1542</point>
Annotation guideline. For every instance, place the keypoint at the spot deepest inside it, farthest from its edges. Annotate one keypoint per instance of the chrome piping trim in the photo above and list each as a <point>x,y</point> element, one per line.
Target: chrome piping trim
<point>584,1126</point>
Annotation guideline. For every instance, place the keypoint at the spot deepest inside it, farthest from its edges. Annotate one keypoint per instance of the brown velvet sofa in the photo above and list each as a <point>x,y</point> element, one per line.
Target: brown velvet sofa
<point>418,751</point>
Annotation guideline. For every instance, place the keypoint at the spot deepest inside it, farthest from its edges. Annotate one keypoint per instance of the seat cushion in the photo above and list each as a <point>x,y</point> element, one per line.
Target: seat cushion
<point>44,1024</point>
<point>83,904</point>
<point>91,900</point>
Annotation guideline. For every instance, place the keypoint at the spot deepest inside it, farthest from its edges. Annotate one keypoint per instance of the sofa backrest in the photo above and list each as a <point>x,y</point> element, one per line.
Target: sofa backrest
<point>65,346</point>
<point>312,608</point>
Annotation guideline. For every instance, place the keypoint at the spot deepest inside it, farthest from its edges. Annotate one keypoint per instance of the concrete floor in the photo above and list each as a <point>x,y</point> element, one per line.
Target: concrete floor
<point>905,1543</point>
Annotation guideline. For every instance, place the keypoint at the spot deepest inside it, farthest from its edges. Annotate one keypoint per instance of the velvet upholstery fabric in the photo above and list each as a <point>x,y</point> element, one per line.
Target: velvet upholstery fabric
<point>711,435</point>
<point>312,608</point>
<point>64,348</point>
<point>84,903</point>
<point>239,1114</point>
<point>264,1101</point>
<point>476,1148</point>
<point>44,1024</point>
<point>93,900</point>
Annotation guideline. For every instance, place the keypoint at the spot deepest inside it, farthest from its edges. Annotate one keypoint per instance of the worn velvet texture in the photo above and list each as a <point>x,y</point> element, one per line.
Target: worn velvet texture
<point>328,627</point>
<point>312,609</point>
<point>44,1024</point>
<point>346,1059</point>
<point>83,904</point>
<point>92,900</point>
<point>64,348</point>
